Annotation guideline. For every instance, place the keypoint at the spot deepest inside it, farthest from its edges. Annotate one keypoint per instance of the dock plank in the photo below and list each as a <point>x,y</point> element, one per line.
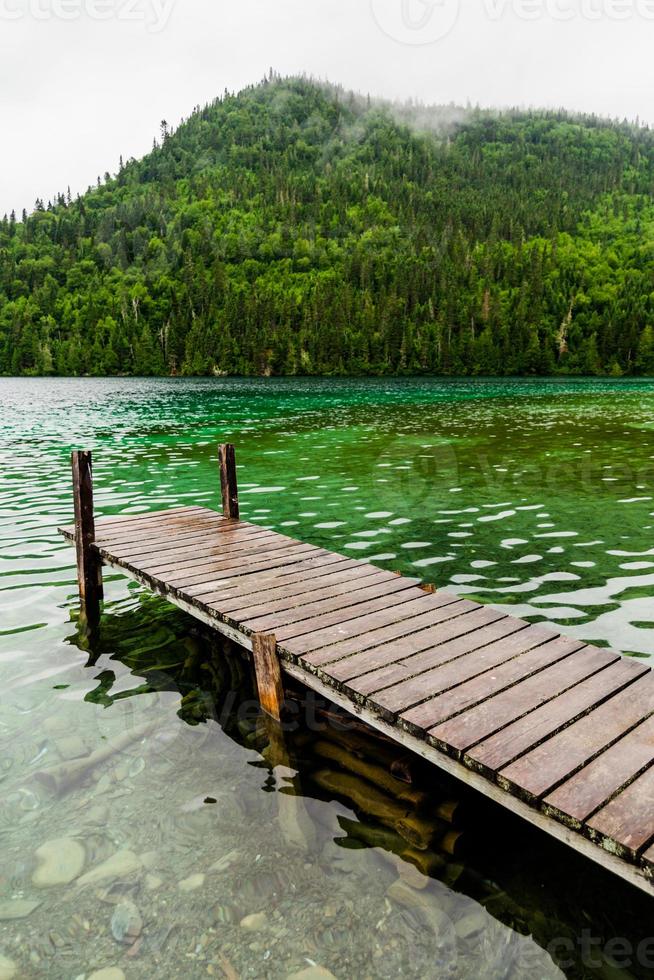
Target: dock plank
<point>514,740</point>
<point>539,771</point>
<point>500,692</point>
<point>153,530</point>
<point>172,513</point>
<point>252,545</point>
<point>137,524</point>
<point>501,643</point>
<point>397,683</point>
<point>352,621</point>
<point>104,525</point>
<point>381,630</point>
<point>187,540</point>
<point>300,593</point>
<point>592,787</point>
<point>647,859</point>
<point>242,566</point>
<point>557,667</point>
<point>626,824</point>
<point>340,602</point>
<point>285,583</point>
<point>321,563</point>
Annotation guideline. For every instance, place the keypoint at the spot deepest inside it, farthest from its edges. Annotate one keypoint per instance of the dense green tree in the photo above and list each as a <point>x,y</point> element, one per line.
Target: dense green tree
<point>295,228</point>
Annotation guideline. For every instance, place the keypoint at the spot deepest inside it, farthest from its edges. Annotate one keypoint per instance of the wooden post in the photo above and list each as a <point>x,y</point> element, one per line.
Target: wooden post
<point>229,486</point>
<point>269,674</point>
<point>89,563</point>
<point>295,825</point>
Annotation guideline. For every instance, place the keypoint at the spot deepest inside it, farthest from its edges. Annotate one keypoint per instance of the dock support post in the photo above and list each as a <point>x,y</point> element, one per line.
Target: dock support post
<point>89,563</point>
<point>228,484</point>
<point>295,825</point>
<point>269,674</point>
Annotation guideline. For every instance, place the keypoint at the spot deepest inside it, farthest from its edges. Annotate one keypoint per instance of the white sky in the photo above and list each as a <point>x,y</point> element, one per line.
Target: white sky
<point>82,81</point>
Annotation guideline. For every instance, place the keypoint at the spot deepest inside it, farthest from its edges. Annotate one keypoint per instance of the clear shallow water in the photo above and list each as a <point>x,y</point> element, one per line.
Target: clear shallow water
<point>535,496</point>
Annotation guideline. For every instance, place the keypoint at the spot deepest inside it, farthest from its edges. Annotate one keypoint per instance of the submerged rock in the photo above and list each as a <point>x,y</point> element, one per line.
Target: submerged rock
<point>425,907</point>
<point>19,908</point>
<point>72,747</point>
<point>192,883</point>
<point>108,973</point>
<point>312,973</point>
<point>472,924</point>
<point>119,864</point>
<point>254,922</point>
<point>60,861</point>
<point>224,914</point>
<point>226,862</point>
<point>126,923</point>
<point>8,969</point>
<point>97,814</point>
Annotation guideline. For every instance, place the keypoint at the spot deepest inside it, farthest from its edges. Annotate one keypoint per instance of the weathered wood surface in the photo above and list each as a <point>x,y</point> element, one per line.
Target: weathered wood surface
<point>229,487</point>
<point>269,674</point>
<point>559,731</point>
<point>89,564</point>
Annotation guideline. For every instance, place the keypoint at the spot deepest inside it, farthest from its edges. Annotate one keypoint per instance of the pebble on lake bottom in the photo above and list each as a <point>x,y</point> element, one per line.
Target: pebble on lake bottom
<point>254,922</point>
<point>60,861</point>
<point>192,883</point>
<point>126,923</point>
<point>312,973</point>
<point>18,908</point>
<point>7,968</point>
<point>120,864</point>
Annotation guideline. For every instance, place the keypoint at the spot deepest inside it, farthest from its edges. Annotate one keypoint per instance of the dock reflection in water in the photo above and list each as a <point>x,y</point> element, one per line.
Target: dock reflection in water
<point>176,840</point>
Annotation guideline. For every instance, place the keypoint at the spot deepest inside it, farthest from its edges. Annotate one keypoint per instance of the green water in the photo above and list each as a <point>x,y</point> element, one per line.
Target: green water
<point>535,496</point>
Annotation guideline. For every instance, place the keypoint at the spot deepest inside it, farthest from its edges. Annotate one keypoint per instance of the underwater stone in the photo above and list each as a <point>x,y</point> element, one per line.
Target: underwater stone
<point>312,973</point>
<point>20,908</point>
<point>191,883</point>
<point>7,968</point>
<point>224,914</point>
<point>126,923</point>
<point>472,924</point>
<point>60,861</point>
<point>119,864</point>
<point>72,747</point>
<point>97,814</point>
<point>425,905</point>
<point>254,922</point>
<point>226,861</point>
<point>108,973</point>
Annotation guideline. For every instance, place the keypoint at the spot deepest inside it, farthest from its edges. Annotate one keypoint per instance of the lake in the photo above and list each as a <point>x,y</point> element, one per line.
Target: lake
<point>177,854</point>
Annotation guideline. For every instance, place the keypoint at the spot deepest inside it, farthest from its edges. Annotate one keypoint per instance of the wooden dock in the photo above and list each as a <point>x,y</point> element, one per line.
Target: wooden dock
<point>556,730</point>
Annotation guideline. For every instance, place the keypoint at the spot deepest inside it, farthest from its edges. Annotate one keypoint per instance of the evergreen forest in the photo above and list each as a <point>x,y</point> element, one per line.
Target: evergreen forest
<point>295,228</point>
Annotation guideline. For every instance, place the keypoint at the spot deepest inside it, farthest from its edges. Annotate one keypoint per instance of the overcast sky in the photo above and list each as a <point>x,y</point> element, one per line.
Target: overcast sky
<point>82,81</point>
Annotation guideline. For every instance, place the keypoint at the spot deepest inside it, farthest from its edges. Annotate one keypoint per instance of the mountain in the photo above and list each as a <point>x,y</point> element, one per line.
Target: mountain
<point>295,228</point>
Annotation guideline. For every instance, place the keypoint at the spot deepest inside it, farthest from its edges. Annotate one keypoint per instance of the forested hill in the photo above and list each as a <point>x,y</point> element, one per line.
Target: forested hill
<point>298,229</point>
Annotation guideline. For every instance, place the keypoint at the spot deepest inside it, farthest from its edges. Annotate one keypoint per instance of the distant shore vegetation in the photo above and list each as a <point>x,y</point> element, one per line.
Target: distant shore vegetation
<point>298,229</point>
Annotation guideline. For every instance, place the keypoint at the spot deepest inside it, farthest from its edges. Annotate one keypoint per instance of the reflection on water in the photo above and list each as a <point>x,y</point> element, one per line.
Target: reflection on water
<point>146,822</point>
